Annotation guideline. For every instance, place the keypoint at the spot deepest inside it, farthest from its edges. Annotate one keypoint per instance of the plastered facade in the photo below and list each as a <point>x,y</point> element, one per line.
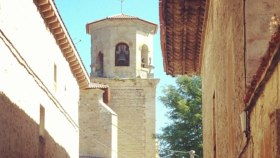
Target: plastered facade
<point>231,56</point>
<point>28,54</point>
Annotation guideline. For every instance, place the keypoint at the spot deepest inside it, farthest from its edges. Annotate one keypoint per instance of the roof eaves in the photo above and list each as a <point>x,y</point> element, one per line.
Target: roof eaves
<point>166,35</point>
<point>57,27</point>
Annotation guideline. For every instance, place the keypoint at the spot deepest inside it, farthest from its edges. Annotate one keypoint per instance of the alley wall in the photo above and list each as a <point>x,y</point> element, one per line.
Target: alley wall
<point>38,116</point>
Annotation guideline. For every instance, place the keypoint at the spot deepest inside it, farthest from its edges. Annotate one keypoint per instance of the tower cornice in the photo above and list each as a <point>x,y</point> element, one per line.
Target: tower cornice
<point>121,17</point>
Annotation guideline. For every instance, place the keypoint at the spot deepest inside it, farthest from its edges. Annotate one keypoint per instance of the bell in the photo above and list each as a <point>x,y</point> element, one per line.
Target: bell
<point>122,59</point>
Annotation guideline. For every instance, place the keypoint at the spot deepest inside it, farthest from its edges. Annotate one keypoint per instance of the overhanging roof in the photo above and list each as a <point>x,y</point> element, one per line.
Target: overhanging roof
<point>56,26</point>
<point>182,26</point>
<point>122,17</point>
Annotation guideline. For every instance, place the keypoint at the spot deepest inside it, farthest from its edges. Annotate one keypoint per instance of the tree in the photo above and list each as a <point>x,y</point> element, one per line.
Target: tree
<point>184,133</point>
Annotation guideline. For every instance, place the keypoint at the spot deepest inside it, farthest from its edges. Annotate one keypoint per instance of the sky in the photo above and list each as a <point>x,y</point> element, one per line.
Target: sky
<point>77,13</point>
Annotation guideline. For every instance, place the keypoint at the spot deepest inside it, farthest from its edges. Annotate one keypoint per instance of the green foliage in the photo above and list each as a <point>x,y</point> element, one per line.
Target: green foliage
<point>117,78</point>
<point>133,78</point>
<point>184,103</point>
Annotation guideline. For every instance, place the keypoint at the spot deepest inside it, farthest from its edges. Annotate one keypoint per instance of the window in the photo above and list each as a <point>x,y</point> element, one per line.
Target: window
<point>122,55</point>
<point>42,133</point>
<point>55,77</point>
<point>55,73</point>
<point>42,121</point>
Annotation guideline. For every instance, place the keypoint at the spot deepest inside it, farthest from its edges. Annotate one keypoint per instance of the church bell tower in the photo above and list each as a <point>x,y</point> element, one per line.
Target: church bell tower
<point>122,46</point>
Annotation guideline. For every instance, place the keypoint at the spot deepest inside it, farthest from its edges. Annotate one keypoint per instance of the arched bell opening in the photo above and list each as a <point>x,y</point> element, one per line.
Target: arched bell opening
<point>99,64</point>
<point>122,55</point>
<point>144,55</point>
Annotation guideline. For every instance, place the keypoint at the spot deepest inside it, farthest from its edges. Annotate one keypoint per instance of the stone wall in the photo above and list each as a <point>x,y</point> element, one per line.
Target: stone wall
<point>134,103</point>
<point>228,64</point>
<point>223,83</point>
<point>98,124</point>
<point>264,124</point>
<point>27,58</point>
<point>106,35</point>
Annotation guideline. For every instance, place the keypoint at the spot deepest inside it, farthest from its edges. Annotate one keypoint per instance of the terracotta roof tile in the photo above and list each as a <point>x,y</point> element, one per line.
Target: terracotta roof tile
<point>182,27</point>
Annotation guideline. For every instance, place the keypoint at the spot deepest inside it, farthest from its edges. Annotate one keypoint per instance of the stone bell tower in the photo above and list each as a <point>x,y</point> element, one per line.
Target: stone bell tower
<point>122,59</point>
<point>121,46</point>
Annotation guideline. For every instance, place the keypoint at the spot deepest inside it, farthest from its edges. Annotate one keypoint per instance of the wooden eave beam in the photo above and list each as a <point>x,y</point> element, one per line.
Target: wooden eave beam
<point>45,8</point>
<point>54,25</point>
<point>80,76</point>
<point>65,46</point>
<point>67,51</point>
<point>84,84</point>
<point>69,55</point>
<point>42,2</point>
<point>63,41</point>
<point>60,36</point>
<point>74,62</point>
<point>48,14</point>
<point>71,59</point>
<point>75,67</point>
<point>58,31</point>
<point>52,20</point>
<point>78,71</point>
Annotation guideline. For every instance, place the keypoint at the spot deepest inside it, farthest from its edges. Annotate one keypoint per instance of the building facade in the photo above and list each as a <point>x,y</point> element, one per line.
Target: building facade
<point>122,59</point>
<point>41,74</point>
<point>237,57</point>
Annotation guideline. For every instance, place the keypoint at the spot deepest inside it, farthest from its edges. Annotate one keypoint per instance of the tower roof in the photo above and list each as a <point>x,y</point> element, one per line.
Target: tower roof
<point>121,17</point>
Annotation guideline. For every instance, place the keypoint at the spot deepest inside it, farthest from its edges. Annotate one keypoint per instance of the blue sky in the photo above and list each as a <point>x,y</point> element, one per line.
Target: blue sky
<point>77,13</point>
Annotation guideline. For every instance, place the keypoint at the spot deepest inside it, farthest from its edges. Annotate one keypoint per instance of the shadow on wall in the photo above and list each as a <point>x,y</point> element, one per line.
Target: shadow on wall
<point>19,135</point>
